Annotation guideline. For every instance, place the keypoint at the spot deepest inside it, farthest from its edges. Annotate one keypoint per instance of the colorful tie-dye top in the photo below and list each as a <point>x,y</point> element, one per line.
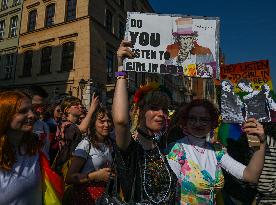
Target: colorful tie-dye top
<point>196,186</point>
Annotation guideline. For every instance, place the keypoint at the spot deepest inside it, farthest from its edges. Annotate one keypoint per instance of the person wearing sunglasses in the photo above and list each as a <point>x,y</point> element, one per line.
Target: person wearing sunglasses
<point>198,164</point>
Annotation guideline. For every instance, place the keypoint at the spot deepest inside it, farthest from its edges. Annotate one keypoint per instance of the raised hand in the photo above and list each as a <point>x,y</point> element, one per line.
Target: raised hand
<point>124,52</point>
<point>253,127</point>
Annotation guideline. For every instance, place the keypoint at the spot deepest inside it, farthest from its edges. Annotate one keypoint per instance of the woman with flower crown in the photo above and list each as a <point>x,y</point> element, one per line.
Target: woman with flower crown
<point>143,172</point>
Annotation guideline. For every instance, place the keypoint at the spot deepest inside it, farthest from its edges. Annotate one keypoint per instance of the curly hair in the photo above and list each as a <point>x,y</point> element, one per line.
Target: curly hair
<point>99,113</point>
<point>10,102</point>
<point>210,107</point>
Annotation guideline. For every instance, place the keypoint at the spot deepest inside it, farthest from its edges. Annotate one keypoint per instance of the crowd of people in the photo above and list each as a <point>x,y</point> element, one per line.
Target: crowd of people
<point>132,153</point>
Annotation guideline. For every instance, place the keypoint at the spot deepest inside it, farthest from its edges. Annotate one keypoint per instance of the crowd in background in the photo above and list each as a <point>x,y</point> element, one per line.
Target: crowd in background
<point>136,154</point>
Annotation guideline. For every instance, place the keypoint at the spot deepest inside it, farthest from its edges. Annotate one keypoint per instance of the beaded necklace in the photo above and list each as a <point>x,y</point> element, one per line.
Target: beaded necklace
<point>154,169</point>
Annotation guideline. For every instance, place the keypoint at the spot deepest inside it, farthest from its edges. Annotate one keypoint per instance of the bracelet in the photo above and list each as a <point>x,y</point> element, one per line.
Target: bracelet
<point>120,73</point>
<point>122,77</point>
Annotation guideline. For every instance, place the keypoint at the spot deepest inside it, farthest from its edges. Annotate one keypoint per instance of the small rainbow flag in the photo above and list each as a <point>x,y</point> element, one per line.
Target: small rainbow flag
<point>229,130</point>
<point>52,183</point>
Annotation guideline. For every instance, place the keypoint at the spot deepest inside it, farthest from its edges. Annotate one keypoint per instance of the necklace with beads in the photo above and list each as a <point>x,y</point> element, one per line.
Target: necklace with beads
<point>157,179</point>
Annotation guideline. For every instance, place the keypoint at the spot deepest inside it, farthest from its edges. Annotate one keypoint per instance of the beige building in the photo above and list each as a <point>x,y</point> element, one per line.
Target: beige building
<point>69,46</point>
<point>10,17</point>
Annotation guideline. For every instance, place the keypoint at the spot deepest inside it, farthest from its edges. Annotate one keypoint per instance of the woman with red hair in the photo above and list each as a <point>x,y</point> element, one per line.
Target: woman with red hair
<point>20,175</point>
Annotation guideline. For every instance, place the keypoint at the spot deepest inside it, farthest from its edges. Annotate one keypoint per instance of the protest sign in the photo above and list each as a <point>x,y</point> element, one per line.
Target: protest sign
<point>246,91</point>
<point>171,44</point>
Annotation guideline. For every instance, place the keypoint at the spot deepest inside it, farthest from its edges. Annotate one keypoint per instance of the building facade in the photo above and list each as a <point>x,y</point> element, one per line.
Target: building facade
<point>10,17</point>
<point>69,46</point>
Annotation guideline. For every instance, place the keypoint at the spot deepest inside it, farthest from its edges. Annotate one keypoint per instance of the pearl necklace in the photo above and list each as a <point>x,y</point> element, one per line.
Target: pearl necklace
<point>163,198</point>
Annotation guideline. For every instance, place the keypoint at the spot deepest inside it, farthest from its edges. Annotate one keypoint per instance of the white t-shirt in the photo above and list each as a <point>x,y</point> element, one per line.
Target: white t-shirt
<point>96,159</point>
<point>207,160</point>
<point>22,185</point>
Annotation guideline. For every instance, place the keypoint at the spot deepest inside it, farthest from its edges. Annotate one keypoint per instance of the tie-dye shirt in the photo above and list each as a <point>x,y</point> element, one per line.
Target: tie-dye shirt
<point>199,173</point>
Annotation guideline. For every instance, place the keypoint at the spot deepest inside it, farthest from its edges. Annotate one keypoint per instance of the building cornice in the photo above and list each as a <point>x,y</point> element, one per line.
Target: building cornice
<point>28,45</point>
<point>47,41</point>
<point>8,49</point>
<point>33,5</point>
<point>10,12</point>
<point>55,25</point>
<point>68,36</point>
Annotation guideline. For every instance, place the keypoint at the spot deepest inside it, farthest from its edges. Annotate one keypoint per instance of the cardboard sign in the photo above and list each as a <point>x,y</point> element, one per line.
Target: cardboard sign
<point>246,92</point>
<point>170,44</point>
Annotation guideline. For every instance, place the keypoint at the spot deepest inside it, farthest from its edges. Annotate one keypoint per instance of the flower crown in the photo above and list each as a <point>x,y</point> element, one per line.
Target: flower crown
<point>152,86</point>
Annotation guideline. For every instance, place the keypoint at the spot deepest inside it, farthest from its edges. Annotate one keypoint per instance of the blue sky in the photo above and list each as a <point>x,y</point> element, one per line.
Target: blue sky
<point>247,27</point>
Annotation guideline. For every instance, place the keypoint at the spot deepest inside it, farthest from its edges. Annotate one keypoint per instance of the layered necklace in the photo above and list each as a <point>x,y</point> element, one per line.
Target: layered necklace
<point>157,179</point>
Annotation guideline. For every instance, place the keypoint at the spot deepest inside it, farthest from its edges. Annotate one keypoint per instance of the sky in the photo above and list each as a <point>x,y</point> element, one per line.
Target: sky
<point>247,27</point>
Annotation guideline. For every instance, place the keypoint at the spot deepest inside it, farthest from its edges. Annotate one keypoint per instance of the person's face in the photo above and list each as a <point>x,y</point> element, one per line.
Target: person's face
<point>103,125</point>
<point>199,122</point>
<point>24,118</point>
<point>155,118</point>
<point>245,88</point>
<point>187,43</point>
<point>37,100</point>
<point>57,112</point>
<point>226,86</point>
<point>75,110</point>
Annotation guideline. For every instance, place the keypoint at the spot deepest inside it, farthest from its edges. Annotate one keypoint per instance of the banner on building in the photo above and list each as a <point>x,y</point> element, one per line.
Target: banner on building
<point>246,92</point>
<point>171,44</point>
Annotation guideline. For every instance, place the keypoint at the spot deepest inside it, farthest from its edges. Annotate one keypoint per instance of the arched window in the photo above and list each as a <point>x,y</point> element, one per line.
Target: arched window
<point>108,20</point>
<point>27,66</point>
<point>71,6</point>
<point>67,56</point>
<point>32,20</point>
<point>46,56</point>
<point>49,15</point>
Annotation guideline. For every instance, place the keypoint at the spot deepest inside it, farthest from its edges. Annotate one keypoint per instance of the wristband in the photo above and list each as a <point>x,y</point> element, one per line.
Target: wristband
<point>120,74</point>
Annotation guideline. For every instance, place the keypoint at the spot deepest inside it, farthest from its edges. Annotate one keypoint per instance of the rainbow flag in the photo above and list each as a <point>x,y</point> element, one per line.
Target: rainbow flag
<point>229,130</point>
<point>52,183</point>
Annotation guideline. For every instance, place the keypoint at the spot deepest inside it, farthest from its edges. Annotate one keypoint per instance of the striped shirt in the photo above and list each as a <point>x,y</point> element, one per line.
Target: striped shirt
<point>267,182</point>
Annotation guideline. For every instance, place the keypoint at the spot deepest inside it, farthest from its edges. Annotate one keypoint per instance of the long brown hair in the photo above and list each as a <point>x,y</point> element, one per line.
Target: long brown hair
<point>99,113</point>
<point>10,102</point>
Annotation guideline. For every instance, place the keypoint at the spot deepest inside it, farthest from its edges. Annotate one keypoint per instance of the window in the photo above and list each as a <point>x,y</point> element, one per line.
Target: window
<point>10,61</point>
<point>13,26</point>
<point>4,4</point>
<point>121,30</point>
<point>32,21</point>
<point>70,10</point>
<point>122,3</point>
<point>46,56</point>
<point>27,67</point>
<point>50,14</point>
<point>110,65</point>
<point>2,29</point>
<point>67,56</point>
<point>16,2</point>
<point>108,20</point>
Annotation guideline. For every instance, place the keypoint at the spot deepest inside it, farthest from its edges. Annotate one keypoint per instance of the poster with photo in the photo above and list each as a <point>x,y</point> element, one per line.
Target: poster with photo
<point>246,92</point>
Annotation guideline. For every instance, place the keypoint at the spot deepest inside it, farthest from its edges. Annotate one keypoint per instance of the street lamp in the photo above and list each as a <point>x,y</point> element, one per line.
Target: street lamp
<point>82,84</point>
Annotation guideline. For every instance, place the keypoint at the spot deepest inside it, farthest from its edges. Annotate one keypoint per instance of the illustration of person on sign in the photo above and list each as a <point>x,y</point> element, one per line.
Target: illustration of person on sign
<point>258,103</point>
<point>231,105</point>
<point>186,49</point>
